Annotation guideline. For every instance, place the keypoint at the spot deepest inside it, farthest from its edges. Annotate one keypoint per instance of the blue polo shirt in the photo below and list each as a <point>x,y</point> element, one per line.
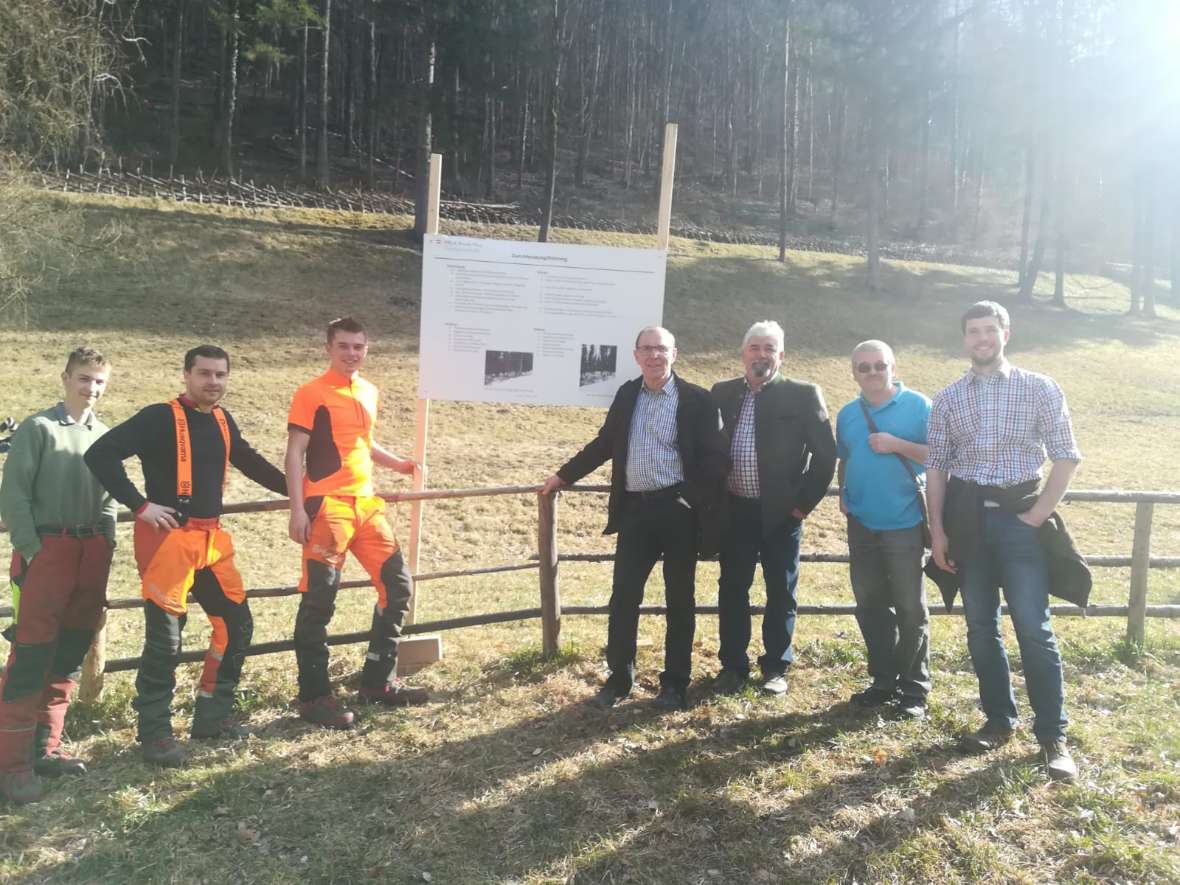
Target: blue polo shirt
<point>877,488</point>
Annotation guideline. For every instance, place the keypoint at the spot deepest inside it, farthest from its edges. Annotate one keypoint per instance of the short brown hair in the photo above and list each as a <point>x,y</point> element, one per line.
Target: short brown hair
<point>86,356</point>
<point>981,309</point>
<point>345,324</point>
<point>209,352</point>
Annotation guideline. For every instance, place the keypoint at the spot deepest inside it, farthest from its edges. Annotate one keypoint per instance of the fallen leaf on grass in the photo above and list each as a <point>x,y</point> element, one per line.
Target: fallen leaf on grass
<point>880,757</point>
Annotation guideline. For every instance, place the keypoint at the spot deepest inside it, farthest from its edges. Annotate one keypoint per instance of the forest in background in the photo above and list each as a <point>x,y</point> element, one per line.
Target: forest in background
<point>1043,128</point>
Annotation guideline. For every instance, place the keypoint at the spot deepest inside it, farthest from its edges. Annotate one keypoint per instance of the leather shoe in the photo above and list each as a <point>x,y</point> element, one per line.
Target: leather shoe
<point>608,696</point>
<point>57,763</point>
<point>672,697</point>
<point>165,752</point>
<point>1059,765</point>
<point>729,682</point>
<point>993,735</point>
<point>911,709</point>
<point>395,693</point>
<point>874,696</point>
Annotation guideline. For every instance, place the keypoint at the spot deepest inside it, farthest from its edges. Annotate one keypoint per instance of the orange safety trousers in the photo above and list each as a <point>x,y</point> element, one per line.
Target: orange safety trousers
<point>344,525</point>
<point>168,562</point>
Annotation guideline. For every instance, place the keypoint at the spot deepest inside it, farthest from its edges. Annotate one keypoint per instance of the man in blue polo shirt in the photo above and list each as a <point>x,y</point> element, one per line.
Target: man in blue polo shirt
<point>876,435</point>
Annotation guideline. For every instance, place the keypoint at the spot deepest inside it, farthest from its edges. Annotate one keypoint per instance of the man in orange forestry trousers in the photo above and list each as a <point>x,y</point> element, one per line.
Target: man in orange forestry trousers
<point>334,511</point>
<point>185,447</point>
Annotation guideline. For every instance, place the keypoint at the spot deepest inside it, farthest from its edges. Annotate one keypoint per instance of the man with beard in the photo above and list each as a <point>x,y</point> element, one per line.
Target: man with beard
<point>185,447</point>
<point>989,435</point>
<point>783,456</point>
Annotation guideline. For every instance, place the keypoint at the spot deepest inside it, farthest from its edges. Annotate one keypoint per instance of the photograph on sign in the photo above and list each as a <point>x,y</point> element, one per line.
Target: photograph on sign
<point>542,323</point>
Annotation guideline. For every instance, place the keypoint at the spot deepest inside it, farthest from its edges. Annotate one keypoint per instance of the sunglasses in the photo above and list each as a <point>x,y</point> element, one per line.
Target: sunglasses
<point>865,368</point>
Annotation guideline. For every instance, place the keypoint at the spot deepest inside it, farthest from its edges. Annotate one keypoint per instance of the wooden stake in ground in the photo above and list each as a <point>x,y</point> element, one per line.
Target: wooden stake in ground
<point>667,178</point>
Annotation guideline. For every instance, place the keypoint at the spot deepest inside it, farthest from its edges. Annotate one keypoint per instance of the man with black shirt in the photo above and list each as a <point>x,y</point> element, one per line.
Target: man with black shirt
<point>185,447</point>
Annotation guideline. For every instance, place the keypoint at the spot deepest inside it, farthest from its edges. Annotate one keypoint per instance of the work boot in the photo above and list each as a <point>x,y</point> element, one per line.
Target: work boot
<point>672,697</point>
<point>164,752</point>
<point>993,735</point>
<point>57,763</point>
<point>1059,765</point>
<point>730,682</point>
<point>326,711</point>
<point>21,787</point>
<point>608,696</point>
<point>228,728</point>
<point>874,696</point>
<point>395,693</point>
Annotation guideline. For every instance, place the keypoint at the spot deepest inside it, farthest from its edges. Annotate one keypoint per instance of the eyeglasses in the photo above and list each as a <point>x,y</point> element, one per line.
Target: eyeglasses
<point>865,368</point>
<point>654,349</point>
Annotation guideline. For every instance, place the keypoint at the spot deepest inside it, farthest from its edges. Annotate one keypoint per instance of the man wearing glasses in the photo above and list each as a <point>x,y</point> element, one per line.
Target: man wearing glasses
<point>669,462</point>
<point>783,459</point>
<point>881,443</point>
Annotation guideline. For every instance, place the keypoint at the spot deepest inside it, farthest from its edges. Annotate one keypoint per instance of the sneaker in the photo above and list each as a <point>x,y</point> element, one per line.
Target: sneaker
<point>395,693</point>
<point>730,682</point>
<point>672,697</point>
<point>910,709</point>
<point>21,787</point>
<point>57,763</point>
<point>165,752</point>
<point>874,696</point>
<point>1059,765</point>
<point>776,685</point>
<point>326,711</point>
<point>992,736</point>
<point>228,728</point>
<point>608,696</point>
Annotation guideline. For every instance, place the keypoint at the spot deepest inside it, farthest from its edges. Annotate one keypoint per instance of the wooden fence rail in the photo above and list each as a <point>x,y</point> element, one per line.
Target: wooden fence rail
<point>548,559</point>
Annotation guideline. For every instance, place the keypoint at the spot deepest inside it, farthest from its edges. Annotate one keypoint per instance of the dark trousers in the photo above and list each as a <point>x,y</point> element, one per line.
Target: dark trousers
<point>741,548</point>
<point>155,683</point>
<point>653,527</point>
<point>62,593</point>
<point>886,573</point>
<point>317,604</point>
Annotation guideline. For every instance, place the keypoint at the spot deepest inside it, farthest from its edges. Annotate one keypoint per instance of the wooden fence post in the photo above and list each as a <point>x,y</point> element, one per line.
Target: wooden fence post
<point>550,593</point>
<point>1140,562</point>
<point>90,685</point>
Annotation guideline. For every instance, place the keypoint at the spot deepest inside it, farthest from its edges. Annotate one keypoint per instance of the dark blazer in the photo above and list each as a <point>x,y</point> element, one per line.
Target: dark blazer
<point>794,441</point>
<point>703,450</point>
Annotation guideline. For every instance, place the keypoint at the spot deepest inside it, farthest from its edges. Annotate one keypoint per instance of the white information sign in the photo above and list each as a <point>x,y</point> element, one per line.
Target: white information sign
<point>541,323</point>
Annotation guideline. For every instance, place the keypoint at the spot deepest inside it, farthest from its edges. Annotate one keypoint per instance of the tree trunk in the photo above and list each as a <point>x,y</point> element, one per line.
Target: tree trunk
<point>323,172</point>
<point>924,168</point>
<point>955,164</point>
<point>303,104</point>
<point>177,54</point>
<point>840,104</point>
<point>872,220</point>
<point>231,89</point>
<point>1033,271</point>
<point>589,107</point>
<point>524,132</point>
<point>371,97</point>
<point>553,105</point>
<point>1030,176</point>
<point>785,153</point>
<point>791,121</point>
<point>425,144</point>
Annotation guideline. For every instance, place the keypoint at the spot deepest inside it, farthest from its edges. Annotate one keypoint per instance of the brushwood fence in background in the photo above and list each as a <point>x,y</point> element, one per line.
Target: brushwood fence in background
<point>548,559</point>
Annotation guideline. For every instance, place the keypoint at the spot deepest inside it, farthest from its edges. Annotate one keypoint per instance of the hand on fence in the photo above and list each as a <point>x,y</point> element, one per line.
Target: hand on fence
<point>552,484</point>
<point>158,516</point>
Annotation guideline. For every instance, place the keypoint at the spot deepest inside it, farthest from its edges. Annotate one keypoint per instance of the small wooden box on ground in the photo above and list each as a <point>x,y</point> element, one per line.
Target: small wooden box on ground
<point>416,652</point>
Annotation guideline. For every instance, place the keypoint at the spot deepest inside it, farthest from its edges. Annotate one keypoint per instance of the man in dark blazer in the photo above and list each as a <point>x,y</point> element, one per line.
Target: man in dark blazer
<point>783,455</point>
<point>669,463</point>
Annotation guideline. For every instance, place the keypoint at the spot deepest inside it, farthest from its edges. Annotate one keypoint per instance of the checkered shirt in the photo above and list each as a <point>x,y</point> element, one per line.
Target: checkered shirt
<point>653,453</point>
<point>997,429</point>
<point>743,479</point>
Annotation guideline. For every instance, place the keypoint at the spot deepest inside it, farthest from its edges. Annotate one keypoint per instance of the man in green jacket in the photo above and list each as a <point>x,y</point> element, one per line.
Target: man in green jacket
<point>62,526</point>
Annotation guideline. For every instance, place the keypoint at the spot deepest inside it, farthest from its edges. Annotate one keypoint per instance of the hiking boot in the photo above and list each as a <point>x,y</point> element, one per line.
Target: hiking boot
<point>672,697</point>
<point>874,696</point>
<point>326,711</point>
<point>992,736</point>
<point>165,752</point>
<point>1059,765</point>
<point>608,696</point>
<point>57,763</point>
<point>775,685</point>
<point>729,682</point>
<point>228,728</point>
<point>21,787</point>
<point>395,693</point>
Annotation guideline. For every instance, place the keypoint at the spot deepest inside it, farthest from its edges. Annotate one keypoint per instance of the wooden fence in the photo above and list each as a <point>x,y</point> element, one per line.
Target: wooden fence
<point>548,559</point>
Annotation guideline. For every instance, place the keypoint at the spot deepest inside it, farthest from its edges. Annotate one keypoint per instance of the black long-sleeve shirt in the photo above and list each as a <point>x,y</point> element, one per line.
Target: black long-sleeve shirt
<point>150,434</point>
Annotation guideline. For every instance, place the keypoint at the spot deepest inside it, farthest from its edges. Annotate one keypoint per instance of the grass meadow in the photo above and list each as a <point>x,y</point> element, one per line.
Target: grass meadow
<point>507,776</point>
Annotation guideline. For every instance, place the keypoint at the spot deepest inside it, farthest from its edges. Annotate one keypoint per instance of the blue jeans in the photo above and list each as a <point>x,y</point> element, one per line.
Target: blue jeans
<point>743,545</point>
<point>1009,555</point>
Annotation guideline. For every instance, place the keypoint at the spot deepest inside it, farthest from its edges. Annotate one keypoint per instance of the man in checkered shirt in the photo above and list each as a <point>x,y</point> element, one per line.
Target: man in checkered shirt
<point>783,456</point>
<point>989,435</point>
<point>663,438</point>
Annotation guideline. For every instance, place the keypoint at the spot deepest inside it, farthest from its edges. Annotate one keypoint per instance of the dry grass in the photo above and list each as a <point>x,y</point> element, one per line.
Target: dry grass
<point>506,776</point>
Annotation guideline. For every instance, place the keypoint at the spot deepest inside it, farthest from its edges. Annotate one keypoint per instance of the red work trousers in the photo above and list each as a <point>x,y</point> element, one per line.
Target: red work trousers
<point>63,590</point>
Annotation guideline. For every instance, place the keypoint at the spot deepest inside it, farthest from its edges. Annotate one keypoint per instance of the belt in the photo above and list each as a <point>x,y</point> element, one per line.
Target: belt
<point>663,494</point>
<point>201,523</point>
<point>71,531</point>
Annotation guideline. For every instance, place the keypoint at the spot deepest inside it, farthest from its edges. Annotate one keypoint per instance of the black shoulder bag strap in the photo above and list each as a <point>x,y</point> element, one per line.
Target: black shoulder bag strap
<point>919,489</point>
